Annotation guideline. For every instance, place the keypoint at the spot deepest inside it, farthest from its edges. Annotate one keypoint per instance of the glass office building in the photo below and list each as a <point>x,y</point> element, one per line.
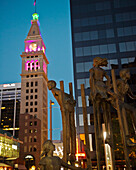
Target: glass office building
<point>101,28</point>
<point>10,96</point>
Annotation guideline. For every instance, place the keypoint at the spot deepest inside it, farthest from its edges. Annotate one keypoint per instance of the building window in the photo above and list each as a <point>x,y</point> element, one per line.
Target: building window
<point>25,123</point>
<point>26,110</point>
<point>26,117</point>
<point>31,75</point>
<point>127,46</point>
<point>81,122</point>
<point>25,130</point>
<point>35,102</point>
<point>79,52</point>
<point>35,110</point>
<point>35,139</point>
<point>31,97</point>
<point>36,90</point>
<point>26,103</point>
<point>30,131</point>
<point>79,101</point>
<point>31,116</point>
<point>27,91</point>
<point>35,123</point>
<point>30,149</point>
<point>35,96</point>
<point>27,97</point>
<point>79,67</point>
<point>30,139</point>
<point>30,123</point>
<point>27,84</point>
<point>31,84</point>
<point>25,139</point>
<point>31,103</point>
<point>25,148</point>
<point>36,83</point>
<point>35,116</point>
<point>31,90</point>
<point>27,76</point>
<point>35,130</point>
<point>31,109</point>
<point>128,62</point>
<point>35,149</point>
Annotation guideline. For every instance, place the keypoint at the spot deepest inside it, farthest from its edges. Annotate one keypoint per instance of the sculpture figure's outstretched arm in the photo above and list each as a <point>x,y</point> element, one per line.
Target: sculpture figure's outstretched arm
<point>130,94</point>
<point>70,166</point>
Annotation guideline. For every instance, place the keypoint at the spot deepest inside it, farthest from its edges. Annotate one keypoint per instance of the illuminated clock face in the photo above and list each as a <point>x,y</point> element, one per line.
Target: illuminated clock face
<point>33,47</point>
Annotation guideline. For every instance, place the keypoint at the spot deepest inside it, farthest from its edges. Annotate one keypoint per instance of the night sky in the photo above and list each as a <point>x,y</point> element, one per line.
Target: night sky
<point>54,18</point>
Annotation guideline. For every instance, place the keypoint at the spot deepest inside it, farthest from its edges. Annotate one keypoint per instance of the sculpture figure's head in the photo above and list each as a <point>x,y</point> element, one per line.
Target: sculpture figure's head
<point>124,74</point>
<point>51,84</point>
<point>98,61</point>
<point>48,146</point>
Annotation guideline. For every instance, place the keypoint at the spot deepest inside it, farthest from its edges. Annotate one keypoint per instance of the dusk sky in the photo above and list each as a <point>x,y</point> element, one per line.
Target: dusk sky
<point>54,18</point>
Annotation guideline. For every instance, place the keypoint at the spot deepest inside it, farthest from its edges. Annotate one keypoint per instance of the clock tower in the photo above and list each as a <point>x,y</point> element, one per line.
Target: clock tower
<point>33,112</point>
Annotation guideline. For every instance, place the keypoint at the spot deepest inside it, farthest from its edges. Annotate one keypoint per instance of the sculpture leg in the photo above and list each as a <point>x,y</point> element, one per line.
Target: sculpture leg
<point>73,137</point>
<point>96,136</point>
<point>111,137</point>
<point>64,136</point>
<point>68,134</point>
<point>106,117</point>
<point>98,116</point>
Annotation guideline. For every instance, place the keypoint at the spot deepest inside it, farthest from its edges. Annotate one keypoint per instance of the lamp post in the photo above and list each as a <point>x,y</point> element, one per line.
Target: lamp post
<point>51,103</point>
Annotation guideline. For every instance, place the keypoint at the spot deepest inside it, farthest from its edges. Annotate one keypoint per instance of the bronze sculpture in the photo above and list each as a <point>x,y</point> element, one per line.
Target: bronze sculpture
<point>50,162</point>
<point>67,104</point>
<point>99,91</point>
<point>124,89</point>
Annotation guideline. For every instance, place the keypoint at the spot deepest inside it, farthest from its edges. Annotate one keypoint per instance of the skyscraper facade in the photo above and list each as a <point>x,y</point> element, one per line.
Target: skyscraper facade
<point>10,96</point>
<point>101,28</point>
<point>33,110</point>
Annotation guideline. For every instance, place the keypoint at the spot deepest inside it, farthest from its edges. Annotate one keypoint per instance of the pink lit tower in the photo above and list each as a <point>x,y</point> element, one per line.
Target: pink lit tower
<point>33,112</point>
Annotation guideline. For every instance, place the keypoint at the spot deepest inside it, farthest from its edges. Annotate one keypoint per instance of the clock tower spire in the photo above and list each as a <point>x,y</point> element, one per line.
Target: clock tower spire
<point>33,111</point>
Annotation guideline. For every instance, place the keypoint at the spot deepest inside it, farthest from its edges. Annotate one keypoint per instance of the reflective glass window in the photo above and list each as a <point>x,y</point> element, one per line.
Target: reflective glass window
<point>86,36</point>
<point>79,67</point>
<point>108,19</point>
<point>92,21</point>
<point>87,85</point>
<point>81,122</point>
<point>87,100</point>
<point>102,34</point>
<point>109,33</point>
<point>87,51</point>
<point>78,37</point>
<point>88,66</point>
<point>122,47</point>
<point>107,5</point>
<point>84,22</point>
<point>79,82</point>
<point>112,48</point>
<point>94,35</point>
<point>100,20</point>
<point>79,101</point>
<point>130,46</point>
<point>134,30</point>
<point>103,49</point>
<point>76,22</point>
<point>120,32</point>
<point>128,31</point>
<point>99,6</point>
<point>79,52</point>
<point>95,50</point>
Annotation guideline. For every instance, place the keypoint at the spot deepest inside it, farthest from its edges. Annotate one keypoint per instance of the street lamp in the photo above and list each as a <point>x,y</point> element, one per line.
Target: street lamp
<point>51,103</point>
